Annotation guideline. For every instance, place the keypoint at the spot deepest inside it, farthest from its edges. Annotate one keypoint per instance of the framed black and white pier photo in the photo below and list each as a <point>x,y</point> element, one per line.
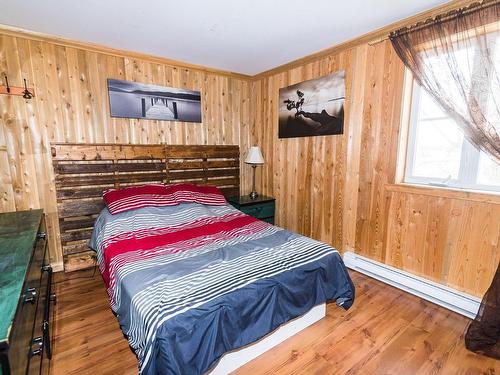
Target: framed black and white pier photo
<point>152,102</point>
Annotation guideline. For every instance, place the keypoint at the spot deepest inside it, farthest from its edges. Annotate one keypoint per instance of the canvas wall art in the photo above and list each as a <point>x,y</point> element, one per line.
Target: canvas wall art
<point>152,102</point>
<point>314,107</point>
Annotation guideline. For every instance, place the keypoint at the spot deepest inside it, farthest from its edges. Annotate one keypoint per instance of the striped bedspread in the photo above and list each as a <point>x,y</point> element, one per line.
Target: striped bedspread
<point>191,282</point>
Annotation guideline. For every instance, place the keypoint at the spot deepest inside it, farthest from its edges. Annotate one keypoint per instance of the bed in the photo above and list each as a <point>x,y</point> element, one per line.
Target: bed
<point>192,279</point>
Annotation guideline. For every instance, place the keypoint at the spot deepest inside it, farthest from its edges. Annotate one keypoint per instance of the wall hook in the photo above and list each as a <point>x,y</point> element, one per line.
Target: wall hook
<point>26,93</point>
<point>7,84</point>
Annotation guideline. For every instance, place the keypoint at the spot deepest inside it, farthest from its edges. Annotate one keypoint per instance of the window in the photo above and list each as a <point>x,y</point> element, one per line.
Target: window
<point>438,153</point>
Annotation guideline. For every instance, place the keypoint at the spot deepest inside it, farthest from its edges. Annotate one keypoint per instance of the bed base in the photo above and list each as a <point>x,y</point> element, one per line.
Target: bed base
<point>239,357</point>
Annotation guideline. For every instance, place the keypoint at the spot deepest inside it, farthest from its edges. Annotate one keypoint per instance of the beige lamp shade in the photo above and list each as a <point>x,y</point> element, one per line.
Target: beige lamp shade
<point>254,156</point>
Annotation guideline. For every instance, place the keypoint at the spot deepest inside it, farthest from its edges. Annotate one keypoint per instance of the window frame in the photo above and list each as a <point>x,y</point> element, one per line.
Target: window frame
<point>467,176</point>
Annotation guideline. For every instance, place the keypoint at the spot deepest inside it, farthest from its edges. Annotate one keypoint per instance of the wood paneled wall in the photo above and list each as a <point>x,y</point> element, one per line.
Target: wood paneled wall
<point>306,175</point>
<point>342,189</point>
<point>338,189</point>
<point>445,237</point>
<point>71,105</point>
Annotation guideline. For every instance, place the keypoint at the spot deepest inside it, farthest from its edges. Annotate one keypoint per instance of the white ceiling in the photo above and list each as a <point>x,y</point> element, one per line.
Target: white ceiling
<point>240,36</point>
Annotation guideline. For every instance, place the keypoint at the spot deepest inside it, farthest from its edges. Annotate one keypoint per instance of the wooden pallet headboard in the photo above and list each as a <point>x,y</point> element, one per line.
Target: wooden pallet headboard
<point>83,171</point>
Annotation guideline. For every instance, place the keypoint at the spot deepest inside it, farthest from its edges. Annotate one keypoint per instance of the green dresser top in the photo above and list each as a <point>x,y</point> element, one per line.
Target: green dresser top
<point>17,235</point>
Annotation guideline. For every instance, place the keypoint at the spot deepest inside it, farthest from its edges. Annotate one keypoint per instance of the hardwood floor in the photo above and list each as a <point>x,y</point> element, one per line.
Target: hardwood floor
<point>387,331</point>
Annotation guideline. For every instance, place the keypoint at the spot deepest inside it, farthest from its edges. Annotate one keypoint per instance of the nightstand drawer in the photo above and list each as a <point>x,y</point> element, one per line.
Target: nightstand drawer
<point>269,220</point>
<point>259,211</point>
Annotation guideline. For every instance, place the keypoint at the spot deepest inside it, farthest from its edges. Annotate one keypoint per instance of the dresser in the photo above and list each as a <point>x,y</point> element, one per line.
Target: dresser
<point>25,294</point>
<point>261,207</point>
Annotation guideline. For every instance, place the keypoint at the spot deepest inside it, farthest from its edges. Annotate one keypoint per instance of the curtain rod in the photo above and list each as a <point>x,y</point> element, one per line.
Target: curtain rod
<point>440,17</point>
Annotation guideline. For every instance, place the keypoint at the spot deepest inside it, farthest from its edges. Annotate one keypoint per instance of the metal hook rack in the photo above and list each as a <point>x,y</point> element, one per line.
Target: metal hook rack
<point>26,92</point>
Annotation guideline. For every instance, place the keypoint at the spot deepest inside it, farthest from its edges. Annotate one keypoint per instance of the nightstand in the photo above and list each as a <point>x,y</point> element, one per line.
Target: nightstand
<point>261,208</point>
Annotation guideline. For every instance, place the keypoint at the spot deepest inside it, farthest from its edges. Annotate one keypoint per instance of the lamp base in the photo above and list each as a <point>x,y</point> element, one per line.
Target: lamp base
<point>253,195</point>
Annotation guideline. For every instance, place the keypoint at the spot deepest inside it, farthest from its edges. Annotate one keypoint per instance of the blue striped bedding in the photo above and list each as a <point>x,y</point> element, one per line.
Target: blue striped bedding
<point>191,282</point>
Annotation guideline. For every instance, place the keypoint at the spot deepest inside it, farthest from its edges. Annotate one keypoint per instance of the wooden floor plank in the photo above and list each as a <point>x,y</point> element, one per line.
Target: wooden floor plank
<point>387,331</point>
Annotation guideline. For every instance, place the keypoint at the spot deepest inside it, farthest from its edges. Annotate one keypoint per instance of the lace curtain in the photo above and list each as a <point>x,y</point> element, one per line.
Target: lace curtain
<point>456,58</point>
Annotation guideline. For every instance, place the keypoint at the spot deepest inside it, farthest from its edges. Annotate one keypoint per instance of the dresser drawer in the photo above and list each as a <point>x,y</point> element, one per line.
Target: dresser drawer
<point>39,341</point>
<point>25,317</point>
<point>29,256</point>
<point>41,345</point>
<point>21,337</point>
<point>260,211</point>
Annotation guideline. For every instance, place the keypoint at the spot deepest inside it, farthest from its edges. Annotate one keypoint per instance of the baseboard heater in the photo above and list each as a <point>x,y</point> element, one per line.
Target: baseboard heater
<point>449,298</point>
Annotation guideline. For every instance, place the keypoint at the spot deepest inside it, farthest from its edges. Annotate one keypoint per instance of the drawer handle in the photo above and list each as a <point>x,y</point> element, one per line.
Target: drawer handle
<point>256,210</point>
<point>35,352</point>
<point>37,341</point>
<point>47,268</point>
<point>30,296</point>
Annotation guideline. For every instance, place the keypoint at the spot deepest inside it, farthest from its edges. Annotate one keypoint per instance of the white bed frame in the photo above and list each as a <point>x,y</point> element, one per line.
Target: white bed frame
<point>237,358</point>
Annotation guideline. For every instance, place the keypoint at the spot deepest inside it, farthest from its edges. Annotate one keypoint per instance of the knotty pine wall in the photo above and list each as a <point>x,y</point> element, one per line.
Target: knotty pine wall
<point>342,189</point>
<point>338,189</point>
<point>71,105</point>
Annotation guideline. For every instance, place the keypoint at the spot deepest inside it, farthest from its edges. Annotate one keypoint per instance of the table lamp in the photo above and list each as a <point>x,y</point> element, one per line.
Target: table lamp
<point>254,158</point>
